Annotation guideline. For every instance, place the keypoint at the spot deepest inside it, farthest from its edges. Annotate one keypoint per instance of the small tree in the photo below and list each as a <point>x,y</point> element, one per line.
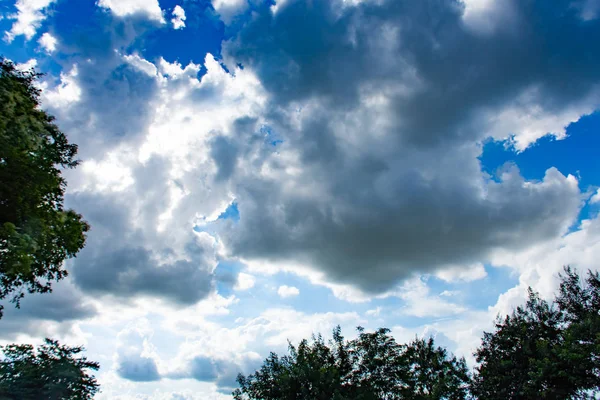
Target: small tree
<point>545,350</point>
<point>371,367</point>
<point>36,233</point>
<point>52,372</point>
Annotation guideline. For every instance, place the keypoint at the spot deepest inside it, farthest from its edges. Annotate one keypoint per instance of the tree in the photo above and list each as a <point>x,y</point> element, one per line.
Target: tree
<point>52,372</point>
<point>36,233</point>
<point>371,367</point>
<point>545,350</point>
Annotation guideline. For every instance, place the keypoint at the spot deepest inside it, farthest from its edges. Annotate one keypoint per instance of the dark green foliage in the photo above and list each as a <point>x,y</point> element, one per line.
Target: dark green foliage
<point>371,367</point>
<point>36,233</point>
<point>545,350</point>
<point>52,372</point>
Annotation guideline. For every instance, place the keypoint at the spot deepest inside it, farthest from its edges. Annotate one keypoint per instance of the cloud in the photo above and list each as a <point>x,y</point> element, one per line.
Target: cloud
<point>376,174</point>
<point>228,9</point>
<point>48,42</point>
<point>465,274</point>
<point>55,313</point>
<point>143,192</point>
<point>214,353</point>
<point>595,199</point>
<point>138,369</point>
<point>135,358</point>
<point>29,17</point>
<point>420,303</point>
<point>122,8</point>
<point>244,281</point>
<point>26,66</point>
<point>179,18</point>
<point>182,273</point>
<point>287,291</point>
<point>538,266</point>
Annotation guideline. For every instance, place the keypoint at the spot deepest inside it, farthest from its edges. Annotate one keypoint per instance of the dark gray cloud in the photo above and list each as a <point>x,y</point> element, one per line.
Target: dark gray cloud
<point>333,51</point>
<point>114,104</point>
<point>394,100</point>
<point>225,155</point>
<point>61,308</point>
<point>364,162</point>
<point>138,369</point>
<point>203,369</point>
<point>220,371</point>
<point>128,272</point>
<point>125,256</point>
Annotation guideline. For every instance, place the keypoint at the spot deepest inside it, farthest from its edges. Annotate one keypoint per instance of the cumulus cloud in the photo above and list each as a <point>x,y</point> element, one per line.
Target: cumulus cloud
<point>377,174</point>
<point>29,17</point>
<point>244,281</point>
<point>179,18</point>
<point>595,199</point>
<point>466,274</point>
<point>56,313</point>
<point>48,42</point>
<point>214,353</point>
<point>135,360</point>
<point>288,291</point>
<point>228,9</point>
<point>122,8</point>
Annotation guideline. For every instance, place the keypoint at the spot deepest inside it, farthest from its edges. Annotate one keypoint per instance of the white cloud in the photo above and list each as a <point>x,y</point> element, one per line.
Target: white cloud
<point>288,291</point>
<point>527,121</point>
<point>179,18</point>
<point>374,312</point>
<point>450,293</point>
<point>244,282</point>
<point>595,198</point>
<point>30,15</point>
<point>123,8</point>
<point>228,9</point>
<point>465,274</point>
<point>48,42</point>
<point>538,266</point>
<point>65,93</point>
<point>141,64</point>
<point>26,66</point>
<point>420,303</point>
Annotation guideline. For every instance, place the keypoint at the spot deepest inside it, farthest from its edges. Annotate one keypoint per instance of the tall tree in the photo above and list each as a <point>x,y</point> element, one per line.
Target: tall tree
<point>545,350</point>
<point>36,233</point>
<point>50,372</point>
<point>371,367</point>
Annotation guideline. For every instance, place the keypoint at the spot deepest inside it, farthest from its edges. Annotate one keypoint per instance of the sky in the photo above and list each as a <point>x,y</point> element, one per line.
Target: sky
<point>256,171</point>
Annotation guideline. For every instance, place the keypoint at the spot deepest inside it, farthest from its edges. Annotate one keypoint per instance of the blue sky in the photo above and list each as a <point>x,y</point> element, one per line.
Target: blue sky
<point>256,171</point>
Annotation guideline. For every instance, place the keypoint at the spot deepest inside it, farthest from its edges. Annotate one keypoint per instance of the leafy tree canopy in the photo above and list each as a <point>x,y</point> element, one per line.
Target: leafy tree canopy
<point>373,366</point>
<point>36,233</point>
<point>52,372</point>
<point>545,350</point>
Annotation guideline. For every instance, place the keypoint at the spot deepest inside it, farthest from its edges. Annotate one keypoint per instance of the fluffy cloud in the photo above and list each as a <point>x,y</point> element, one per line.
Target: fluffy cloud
<point>228,9</point>
<point>244,281</point>
<point>122,8</point>
<point>348,135</point>
<point>288,291</point>
<point>48,42</point>
<point>377,174</point>
<point>179,18</point>
<point>29,17</point>
<point>135,360</point>
<point>56,314</point>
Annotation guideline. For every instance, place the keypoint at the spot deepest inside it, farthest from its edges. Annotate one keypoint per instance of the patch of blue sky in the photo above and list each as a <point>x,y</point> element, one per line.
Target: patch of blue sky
<point>271,136</point>
<point>202,34</point>
<point>577,155</point>
<point>232,213</point>
<point>476,295</point>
